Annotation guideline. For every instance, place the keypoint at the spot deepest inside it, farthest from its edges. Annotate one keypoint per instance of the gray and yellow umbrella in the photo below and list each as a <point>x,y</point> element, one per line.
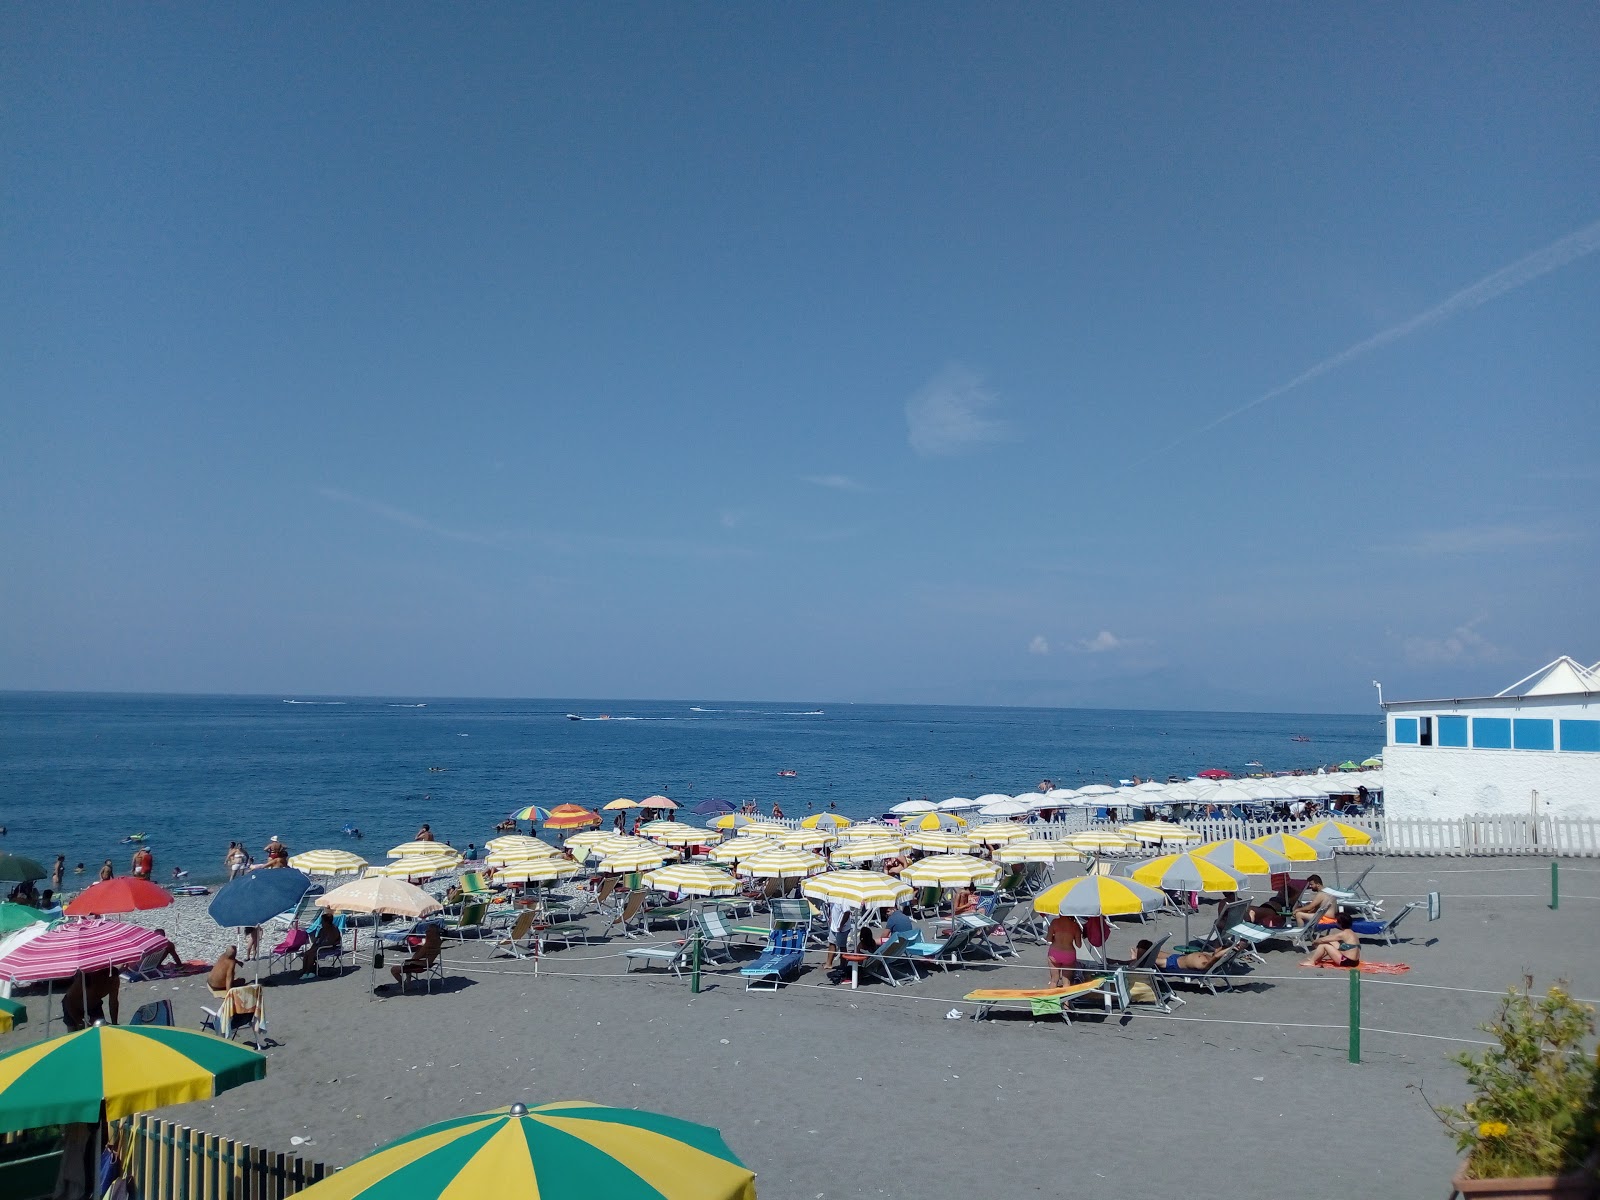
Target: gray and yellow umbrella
<point>564,1151</point>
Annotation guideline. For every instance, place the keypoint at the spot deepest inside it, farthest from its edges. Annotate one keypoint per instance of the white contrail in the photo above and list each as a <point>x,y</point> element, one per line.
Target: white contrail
<point>1491,287</point>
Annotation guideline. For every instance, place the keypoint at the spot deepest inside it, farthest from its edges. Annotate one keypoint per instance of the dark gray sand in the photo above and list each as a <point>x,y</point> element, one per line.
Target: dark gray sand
<point>828,1092</point>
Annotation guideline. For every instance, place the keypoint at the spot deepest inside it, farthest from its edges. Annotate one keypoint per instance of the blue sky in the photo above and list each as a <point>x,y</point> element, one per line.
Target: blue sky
<point>824,353</point>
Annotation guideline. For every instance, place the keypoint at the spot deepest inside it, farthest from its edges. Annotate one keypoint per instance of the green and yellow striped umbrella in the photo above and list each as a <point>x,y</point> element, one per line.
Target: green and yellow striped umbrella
<point>1098,896</point>
<point>132,1069</point>
<point>328,862</point>
<point>564,1151</point>
<point>950,870</point>
<point>1293,847</point>
<point>12,1014</point>
<point>1338,832</point>
<point>1242,858</point>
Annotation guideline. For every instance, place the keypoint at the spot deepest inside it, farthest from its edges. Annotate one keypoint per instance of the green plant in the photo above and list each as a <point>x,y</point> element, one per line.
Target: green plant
<point>1536,1105</point>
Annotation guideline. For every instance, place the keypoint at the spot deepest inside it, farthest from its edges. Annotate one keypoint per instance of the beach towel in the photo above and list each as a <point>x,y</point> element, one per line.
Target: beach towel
<point>1046,1006</point>
<point>1369,968</point>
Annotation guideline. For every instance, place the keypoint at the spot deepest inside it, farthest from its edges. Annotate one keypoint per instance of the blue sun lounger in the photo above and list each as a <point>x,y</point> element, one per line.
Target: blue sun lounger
<point>784,953</point>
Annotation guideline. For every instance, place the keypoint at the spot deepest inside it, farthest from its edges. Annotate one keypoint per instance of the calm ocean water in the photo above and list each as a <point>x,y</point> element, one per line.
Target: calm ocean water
<point>80,772</point>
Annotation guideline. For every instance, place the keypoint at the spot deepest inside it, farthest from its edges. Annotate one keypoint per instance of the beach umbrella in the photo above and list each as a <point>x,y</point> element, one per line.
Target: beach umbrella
<point>1160,831</point>
<point>571,816</point>
<point>660,802</point>
<point>868,850</point>
<point>568,1150</point>
<point>860,889</point>
<point>674,833</point>
<point>906,807</point>
<point>1100,839</point>
<point>730,820</point>
<point>782,863</point>
<point>257,896</point>
<point>418,849</point>
<point>942,842</point>
<point>122,895</point>
<point>1186,873</point>
<point>1293,847</point>
<point>1098,896</point>
<point>735,849</point>
<point>16,868</point>
<point>129,1069</point>
<point>592,837</point>
<point>1185,793</point>
<point>502,859</point>
<point>625,861</point>
<point>1349,766</point>
<point>761,828</point>
<point>328,862</point>
<point>379,894</point>
<point>520,841</point>
<point>1374,761</point>
<point>77,946</point>
<point>1007,808</point>
<point>1038,850</point>
<point>826,820</point>
<point>692,879</point>
<point>21,937</point>
<point>12,1014</point>
<point>707,808</point>
<point>533,812</point>
<point>998,834</point>
<point>962,804</point>
<point>946,821</point>
<point>416,866</point>
<point>1337,831</point>
<point>539,870</point>
<point>1242,858</point>
<point>950,870</point>
<point>617,805</point>
<point>19,916</point>
<point>1299,789</point>
<point>870,829</point>
<point>806,839</point>
<point>1096,790</point>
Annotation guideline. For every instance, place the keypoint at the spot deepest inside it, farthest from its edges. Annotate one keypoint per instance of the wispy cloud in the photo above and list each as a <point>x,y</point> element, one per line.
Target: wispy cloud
<point>1039,645</point>
<point>839,483</point>
<point>402,517</point>
<point>1102,643</point>
<point>951,414</point>
<point>1553,257</point>
<point>1482,539</point>
<point>1462,644</point>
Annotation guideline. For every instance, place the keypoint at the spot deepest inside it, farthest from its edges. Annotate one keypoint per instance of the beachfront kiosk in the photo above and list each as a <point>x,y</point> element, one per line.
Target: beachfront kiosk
<point>1534,747</point>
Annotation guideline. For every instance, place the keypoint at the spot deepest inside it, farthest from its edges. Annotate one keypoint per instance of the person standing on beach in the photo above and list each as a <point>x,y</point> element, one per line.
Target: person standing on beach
<point>107,871</point>
<point>58,872</point>
<point>777,811</point>
<point>144,863</point>
<point>1065,936</point>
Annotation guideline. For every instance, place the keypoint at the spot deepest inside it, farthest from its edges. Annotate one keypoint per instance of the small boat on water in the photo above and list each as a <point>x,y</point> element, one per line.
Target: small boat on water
<point>787,774</point>
<point>1299,737</point>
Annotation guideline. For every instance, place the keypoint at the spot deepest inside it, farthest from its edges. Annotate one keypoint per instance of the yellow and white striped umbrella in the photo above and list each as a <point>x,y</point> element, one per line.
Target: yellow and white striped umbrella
<point>674,833</point>
<point>950,870</point>
<point>938,820</point>
<point>870,829</point>
<point>1187,873</point>
<point>999,834</point>
<point>940,842</point>
<point>733,820</point>
<point>869,850</point>
<point>1038,850</point>
<point>1242,858</point>
<point>614,843</point>
<point>863,889</point>
<point>414,849</point>
<point>519,842</point>
<point>1160,831</point>
<point>328,862</point>
<point>520,858</point>
<point>806,839</point>
<point>738,849</point>
<point>1101,839</point>
<point>1338,833</point>
<point>417,866</point>
<point>624,861</point>
<point>1098,896</point>
<point>589,838</point>
<point>782,863</point>
<point>1295,849</point>
<point>692,879</point>
<point>825,820</point>
<point>761,829</point>
<point>539,870</point>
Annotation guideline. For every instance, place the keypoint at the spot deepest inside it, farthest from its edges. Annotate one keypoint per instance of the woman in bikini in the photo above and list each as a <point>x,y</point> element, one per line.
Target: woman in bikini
<point>1341,948</point>
<point>1065,936</point>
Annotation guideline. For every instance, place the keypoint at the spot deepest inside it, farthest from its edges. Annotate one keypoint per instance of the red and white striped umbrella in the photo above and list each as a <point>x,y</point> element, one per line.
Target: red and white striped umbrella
<point>78,946</point>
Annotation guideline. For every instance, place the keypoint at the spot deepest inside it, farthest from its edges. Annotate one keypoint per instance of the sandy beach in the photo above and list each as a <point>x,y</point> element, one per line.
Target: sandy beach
<point>831,1092</point>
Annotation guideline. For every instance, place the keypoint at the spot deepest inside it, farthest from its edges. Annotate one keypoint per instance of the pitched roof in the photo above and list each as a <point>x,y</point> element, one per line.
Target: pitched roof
<point>1563,677</point>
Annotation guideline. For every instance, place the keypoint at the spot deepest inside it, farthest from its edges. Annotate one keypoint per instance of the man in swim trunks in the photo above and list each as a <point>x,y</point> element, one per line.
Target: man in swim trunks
<point>1341,948</point>
<point>1065,936</point>
<point>143,863</point>
<point>1196,960</point>
<point>1315,903</point>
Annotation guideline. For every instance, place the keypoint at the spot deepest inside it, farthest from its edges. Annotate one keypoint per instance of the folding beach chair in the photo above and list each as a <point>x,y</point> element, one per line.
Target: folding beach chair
<point>518,941</point>
<point>888,960</point>
<point>715,935</point>
<point>469,921</point>
<point>1147,987</point>
<point>157,1012</point>
<point>147,968</point>
<point>1209,978</point>
<point>783,956</point>
<point>289,950</point>
<point>1379,930</point>
<point>628,916</point>
<point>783,913</point>
<point>673,955</point>
<point>945,952</point>
<point>303,913</point>
<point>927,902</point>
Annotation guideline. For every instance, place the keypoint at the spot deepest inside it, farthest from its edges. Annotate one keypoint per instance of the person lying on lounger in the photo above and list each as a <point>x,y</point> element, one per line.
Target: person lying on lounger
<point>1195,960</point>
<point>1341,948</point>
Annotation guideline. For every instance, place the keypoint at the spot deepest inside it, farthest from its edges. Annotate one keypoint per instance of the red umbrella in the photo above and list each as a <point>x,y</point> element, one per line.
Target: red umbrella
<point>1215,773</point>
<point>123,895</point>
<point>570,816</point>
<point>78,946</point>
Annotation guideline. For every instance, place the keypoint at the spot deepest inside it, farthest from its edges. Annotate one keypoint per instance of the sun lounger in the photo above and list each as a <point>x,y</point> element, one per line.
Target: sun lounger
<point>672,955</point>
<point>518,942</point>
<point>469,921</point>
<point>783,956</point>
<point>1109,988</point>
<point>1147,987</point>
<point>1209,978</point>
<point>1380,930</point>
<point>715,935</point>
<point>628,917</point>
<point>887,962</point>
<point>784,912</point>
<point>157,1012</point>
<point>944,952</point>
<point>303,913</point>
<point>678,915</point>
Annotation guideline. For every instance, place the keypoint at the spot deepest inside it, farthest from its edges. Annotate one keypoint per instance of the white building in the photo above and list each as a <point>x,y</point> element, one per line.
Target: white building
<point>1533,747</point>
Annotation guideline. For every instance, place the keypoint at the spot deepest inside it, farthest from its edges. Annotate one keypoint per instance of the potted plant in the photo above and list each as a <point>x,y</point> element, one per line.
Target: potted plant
<point>1532,1128</point>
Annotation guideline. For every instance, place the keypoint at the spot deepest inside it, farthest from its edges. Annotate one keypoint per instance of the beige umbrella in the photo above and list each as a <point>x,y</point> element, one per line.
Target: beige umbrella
<point>379,894</point>
<point>617,805</point>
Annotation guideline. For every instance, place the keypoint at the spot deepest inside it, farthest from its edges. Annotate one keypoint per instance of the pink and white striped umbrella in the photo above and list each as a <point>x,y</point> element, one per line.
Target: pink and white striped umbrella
<point>78,946</point>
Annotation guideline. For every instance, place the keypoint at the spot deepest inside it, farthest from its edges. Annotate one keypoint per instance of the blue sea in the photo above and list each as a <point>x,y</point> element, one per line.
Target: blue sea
<point>80,772</point>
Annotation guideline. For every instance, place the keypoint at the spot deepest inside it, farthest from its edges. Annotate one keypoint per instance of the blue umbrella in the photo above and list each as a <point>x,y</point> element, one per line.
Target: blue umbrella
<point>710,808</point>
<point>257,897</point>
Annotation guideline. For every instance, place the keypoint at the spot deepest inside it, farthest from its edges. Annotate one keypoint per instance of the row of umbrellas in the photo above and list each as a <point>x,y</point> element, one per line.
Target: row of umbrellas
<point>1194,791</point>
